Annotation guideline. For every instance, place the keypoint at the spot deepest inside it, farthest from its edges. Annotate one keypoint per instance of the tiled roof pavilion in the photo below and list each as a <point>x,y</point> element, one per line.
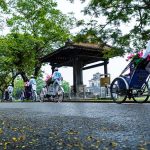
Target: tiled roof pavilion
<point>78,55</point>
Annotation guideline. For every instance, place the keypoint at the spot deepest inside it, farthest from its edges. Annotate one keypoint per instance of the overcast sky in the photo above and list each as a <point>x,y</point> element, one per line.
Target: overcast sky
<point>115,66</point>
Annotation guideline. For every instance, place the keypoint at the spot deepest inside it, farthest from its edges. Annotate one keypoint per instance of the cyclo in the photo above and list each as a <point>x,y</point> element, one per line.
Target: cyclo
<point>53,91</point>
<point>132,86</point>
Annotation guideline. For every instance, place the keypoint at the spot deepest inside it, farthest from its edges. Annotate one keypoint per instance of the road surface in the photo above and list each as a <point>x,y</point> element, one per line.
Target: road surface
<point>74,126</point>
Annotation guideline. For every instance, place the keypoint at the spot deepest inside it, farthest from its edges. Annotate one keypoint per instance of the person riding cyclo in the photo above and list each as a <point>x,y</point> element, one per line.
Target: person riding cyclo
<point>32,84</point>
<point>56,78</point>
<point>48,80</point>
<point>143,57</point>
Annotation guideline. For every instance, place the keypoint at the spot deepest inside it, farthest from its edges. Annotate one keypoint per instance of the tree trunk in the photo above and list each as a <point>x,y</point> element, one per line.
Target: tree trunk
<point>14,77</point>
<point>37,69</point>
<point>2,94</point>
<point>24,77</point>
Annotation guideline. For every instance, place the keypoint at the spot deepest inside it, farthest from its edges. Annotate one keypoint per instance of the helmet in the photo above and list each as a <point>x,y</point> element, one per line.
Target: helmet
<point>56,69</point>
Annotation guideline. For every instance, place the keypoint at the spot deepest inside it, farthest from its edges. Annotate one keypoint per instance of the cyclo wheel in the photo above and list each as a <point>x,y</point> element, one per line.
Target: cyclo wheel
<point>42,96</point>
<point>118,89</point>
<point>33,96</point>
<point>60,94</point>
<point>141,95</point>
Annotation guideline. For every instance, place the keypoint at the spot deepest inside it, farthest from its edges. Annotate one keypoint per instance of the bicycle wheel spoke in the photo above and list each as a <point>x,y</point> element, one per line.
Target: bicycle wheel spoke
<point>118,90</point>
<point>141,95</point>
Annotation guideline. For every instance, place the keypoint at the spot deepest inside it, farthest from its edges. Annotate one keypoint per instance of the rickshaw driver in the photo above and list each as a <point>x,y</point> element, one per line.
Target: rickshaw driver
<point>32,84</point>
<point>147,50</point>
<point>146,55</point>
<point>57,78</point>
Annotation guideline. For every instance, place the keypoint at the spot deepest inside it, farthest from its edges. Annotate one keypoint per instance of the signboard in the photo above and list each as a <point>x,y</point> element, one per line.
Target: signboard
<point>104,81</point>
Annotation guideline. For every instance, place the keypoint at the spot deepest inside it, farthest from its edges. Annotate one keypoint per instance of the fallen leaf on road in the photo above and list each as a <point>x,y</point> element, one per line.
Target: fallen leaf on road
<point>1,131</point>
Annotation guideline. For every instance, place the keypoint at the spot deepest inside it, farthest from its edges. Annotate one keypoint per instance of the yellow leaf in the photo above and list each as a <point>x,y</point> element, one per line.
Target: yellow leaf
<point>14,129</point>
<point>22,138</point>
<point>1,131</point>
<point>113,144</point>
<point>71,132</point>
<point>89,138</point>
<point>14,139</point>
<point>69,145</point>
<point>5,145</point>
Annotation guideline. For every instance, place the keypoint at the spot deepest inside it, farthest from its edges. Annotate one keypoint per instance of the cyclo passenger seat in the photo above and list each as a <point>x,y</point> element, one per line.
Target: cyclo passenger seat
<point>138,76</point>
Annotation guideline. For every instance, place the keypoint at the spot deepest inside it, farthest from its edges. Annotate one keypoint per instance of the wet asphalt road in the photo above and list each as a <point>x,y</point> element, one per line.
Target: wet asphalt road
<point>89,126</point>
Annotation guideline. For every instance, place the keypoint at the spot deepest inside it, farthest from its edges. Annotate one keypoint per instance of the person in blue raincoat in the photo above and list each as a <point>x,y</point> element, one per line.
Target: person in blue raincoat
<point>57,78</point>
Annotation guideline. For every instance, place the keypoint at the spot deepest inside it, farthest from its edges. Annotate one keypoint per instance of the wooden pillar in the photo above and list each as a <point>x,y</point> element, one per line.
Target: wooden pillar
<point>53,67</point>
<point>105,67</point>
<point>77,74</point>
<point>74,76</point>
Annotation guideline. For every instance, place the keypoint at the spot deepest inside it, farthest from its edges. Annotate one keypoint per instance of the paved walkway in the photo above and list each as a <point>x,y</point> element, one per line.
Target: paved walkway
<point>74,126</point>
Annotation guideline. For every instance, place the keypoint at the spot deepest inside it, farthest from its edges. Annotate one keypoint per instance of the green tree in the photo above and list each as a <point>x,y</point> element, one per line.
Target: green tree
<point>17,54</point>
<point>39,27</point>
<point>3,8</point>
<point>18,87</point>
<point>6,69</point>
<point>22,52</point>
<point>111,15</point>
<point>5,79</point>
<point>66,86</point>
<point>90,35</point>
<point>3,5</point>
<point>40,84</point>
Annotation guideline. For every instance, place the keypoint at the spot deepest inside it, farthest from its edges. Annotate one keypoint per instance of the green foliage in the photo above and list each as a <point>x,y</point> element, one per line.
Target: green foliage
<point>112,15</point>
<point>87,36</point>
<point>40,84</point>
<point>22,52</point>
<point>5,60</point>
<point>3,5</point>
<point>6,67</point>
<point>118,13</point>
<point>3,8</point>
<point>41,20</point>
<point>17,53</point>
<point>5,79</point>
<point>66,86</point>
<point>37,28</point>
<point>18,87</point>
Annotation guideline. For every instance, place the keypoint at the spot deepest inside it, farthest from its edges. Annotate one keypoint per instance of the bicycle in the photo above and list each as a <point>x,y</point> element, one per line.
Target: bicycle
<point>33,95</point>
<point>133,86</point>
<point>52,93</point>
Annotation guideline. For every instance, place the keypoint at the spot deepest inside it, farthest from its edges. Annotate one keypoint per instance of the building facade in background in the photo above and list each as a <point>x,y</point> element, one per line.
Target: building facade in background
<point>99,85</point>
<point>94,84</point>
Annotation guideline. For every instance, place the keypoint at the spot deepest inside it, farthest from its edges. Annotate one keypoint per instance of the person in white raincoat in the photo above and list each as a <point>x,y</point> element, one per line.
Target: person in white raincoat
<point>146,56</point>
